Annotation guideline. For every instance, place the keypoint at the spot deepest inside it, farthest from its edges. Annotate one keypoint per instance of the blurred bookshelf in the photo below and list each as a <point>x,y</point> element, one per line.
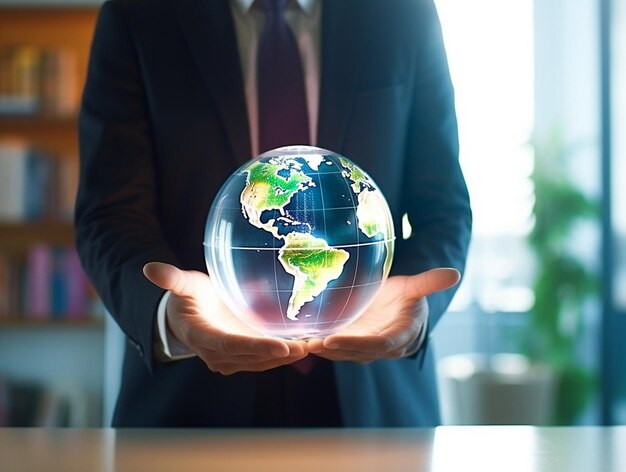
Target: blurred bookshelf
<point>48,310</point>
<point>43,60</point>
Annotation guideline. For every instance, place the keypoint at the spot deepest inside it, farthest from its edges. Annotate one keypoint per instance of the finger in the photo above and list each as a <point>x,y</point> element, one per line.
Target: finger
<point>234,367</point>
<point>405,332</point>
<point>315,345</point>
<point>398,353</point>
<point>396,337</point>
<point>237,344</point>
<point>431,281</point>
<point>171,278</point>
<point>360,357</point>
<point>364,344</point>
<point>297,348</point>
<point>294,348</point>
<point>218,359</point>
<point>399,340</point>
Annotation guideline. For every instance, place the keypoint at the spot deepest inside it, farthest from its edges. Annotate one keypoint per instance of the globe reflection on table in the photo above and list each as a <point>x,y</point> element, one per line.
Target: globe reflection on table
<point>298,241</point>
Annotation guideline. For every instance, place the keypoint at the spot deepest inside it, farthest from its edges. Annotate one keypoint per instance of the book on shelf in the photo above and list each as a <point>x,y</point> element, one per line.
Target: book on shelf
<point>38,80</point>
<point>49,284</point>
<point>65,187</point>
<point>11,280</point>
<point>37,292</point>
<point>35,184</point>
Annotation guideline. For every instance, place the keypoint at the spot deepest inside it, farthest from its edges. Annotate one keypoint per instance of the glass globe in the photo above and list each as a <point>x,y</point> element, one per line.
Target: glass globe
<point>298,241</point>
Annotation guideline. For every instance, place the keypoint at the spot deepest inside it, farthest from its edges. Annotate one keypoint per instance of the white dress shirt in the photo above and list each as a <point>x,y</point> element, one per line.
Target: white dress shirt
<point>304,19</point>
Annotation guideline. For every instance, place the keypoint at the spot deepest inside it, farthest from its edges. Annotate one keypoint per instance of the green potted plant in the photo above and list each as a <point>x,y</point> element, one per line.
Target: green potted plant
<point>563,283</point>
<point>545,383</point>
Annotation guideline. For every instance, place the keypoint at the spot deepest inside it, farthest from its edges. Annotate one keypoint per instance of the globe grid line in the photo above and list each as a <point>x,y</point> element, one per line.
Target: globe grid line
<point>385,241</point>
<point>321,323</point>
<point>339,246</point>
<point>343,287</point>
<point>321,300</point>
<point>356,238</point>
<point>280,305</point>
<point>308,210</point>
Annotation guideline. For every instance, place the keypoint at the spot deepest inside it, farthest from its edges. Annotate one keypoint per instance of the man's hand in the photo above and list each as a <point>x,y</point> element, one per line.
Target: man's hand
<point>197,317</point>
<point>391,324</point>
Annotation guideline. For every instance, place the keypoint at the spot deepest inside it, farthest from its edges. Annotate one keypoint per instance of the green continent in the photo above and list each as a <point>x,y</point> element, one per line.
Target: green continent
<point>313,263</point>
<point>356,175</point>
<point>279,189</point>
<point>267,190</point>
<point>372,213</point>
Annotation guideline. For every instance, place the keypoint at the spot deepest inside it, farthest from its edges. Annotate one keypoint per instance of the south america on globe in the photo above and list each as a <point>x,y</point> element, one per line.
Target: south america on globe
<point>298,241</point>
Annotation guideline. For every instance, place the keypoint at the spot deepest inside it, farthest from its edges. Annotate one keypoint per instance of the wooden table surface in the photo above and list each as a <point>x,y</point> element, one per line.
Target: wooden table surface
<point>449,449</point>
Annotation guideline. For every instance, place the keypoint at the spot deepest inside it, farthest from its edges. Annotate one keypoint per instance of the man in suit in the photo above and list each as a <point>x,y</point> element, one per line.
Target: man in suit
<point>170,109</point>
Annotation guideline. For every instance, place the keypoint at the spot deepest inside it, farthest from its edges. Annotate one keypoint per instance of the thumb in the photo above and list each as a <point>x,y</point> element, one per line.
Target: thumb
<point>432,281</point>
<point>170,277</point>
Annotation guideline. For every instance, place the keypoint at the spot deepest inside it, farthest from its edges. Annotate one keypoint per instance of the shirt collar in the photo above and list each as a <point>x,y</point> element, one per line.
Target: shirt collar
<point>306,5</point>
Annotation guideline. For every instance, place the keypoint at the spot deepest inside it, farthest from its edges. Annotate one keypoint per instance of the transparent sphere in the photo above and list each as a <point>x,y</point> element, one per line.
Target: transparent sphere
<point>298,241</point>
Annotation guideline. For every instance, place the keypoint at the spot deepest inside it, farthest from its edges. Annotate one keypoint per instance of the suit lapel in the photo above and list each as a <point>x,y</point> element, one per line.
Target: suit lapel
<point>208,27</point>
<point>340,53</point>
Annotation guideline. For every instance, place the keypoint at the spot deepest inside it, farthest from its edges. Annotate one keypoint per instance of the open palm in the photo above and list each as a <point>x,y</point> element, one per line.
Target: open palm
<point>391,324</point>
<point>199,319</point>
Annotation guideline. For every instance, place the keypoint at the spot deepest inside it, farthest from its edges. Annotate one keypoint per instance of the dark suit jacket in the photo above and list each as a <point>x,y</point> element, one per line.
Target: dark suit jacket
<point>163,123</point>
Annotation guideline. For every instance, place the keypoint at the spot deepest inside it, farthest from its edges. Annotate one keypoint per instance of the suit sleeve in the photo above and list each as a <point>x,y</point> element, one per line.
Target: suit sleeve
<point>435,195</point>
<point>117,228</point>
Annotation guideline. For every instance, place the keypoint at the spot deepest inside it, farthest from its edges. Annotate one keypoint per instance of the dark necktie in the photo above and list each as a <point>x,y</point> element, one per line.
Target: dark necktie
<point>283,116</point>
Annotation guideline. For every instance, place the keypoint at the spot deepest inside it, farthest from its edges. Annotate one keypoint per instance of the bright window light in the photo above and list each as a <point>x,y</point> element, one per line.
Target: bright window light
<point>490,52</point>
<point>491,56</point>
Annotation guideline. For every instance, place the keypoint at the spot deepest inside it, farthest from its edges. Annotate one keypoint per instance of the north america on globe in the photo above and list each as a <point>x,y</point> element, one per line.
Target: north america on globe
<point>298,241</point>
